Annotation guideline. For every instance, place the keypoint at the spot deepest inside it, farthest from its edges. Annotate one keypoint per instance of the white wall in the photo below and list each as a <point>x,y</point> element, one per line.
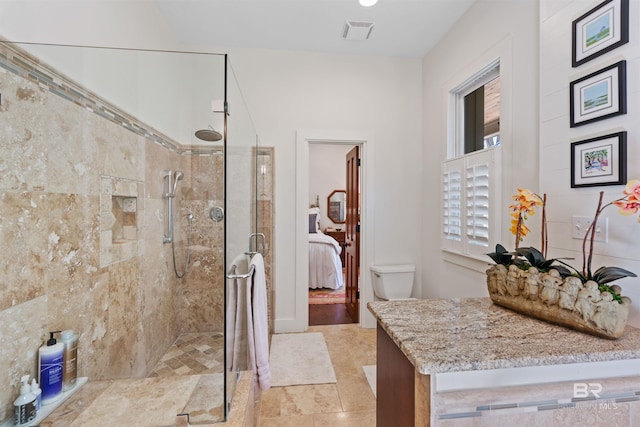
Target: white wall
<point>536,147</point>
<point>327,172</point>
<point>490,29</point>
<point>291,91</point>
<point>622,249</point>
<point>131,24</point>
<point>285,92</point>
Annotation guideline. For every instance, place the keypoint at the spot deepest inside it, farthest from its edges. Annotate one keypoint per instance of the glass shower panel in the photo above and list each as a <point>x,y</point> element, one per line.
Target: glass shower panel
<point>241,217</point>
<point>89,136</point>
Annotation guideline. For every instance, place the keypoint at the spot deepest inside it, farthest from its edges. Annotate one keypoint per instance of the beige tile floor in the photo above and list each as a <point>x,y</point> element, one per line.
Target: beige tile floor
<point>192,354</point>
<point>348,402</point>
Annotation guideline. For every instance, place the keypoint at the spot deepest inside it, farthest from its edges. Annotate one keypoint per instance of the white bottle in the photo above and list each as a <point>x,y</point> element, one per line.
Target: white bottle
<point>70,359</point>
<point>37,391</point>
<point>24,407</point>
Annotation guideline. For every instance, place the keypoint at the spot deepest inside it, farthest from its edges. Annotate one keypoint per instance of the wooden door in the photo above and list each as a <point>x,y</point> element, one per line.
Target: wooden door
<point>352,238</point>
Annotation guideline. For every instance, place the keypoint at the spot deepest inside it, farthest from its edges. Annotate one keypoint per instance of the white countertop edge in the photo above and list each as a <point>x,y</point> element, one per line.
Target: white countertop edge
<point>529,375</point>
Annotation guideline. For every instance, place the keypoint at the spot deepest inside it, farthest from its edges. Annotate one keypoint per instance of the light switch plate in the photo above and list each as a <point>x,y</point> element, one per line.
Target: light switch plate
<point>580,224</point>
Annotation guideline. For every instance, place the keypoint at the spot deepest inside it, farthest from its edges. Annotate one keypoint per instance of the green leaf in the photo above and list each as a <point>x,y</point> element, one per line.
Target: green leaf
<point>534,257</point>
<point>501,255</point>
<point>609,274</point>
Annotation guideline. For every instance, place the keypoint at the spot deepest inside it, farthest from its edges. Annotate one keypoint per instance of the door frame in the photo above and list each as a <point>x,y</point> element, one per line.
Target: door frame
<point>366,143</point>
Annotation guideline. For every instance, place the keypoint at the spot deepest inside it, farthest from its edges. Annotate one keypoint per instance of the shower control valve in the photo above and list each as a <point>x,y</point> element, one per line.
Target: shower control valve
<point>216,213</point>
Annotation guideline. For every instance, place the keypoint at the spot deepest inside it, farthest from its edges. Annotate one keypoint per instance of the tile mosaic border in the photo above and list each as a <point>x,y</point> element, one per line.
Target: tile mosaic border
<point>25,65</point>
<point>603,401</point>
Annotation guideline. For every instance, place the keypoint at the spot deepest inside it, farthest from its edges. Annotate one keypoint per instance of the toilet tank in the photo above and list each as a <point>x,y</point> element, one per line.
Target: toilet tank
<point>392,281</point>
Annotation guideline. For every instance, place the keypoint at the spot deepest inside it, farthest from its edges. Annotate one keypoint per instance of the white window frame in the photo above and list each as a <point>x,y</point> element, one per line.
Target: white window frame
<point>477,235</point>
<point>455,133</point>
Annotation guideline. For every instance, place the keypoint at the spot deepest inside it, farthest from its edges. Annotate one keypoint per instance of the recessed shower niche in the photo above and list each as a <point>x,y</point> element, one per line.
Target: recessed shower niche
<point>125,227</point>
<point>121,203</point>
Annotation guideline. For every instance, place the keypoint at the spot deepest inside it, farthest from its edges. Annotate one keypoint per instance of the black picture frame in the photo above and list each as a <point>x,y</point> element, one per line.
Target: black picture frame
<point>599,95</point>
<point>599,161</point>
<point>600,30</point>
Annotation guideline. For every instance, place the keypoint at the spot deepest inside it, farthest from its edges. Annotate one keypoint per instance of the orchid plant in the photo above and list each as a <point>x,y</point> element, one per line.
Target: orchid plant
<point>524,206</point>
<point>526,201</point>
<point>629,204</point>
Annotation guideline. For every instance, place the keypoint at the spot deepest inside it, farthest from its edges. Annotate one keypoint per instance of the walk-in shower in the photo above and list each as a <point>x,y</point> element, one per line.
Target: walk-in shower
<point>172,179</point>
<point>84,246</point>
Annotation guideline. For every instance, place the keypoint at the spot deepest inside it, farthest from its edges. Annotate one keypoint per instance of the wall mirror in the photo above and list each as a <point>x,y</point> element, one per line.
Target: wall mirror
<point>337,206</point>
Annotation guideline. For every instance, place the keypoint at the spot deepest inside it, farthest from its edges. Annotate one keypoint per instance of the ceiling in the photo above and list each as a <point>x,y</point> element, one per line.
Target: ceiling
<point>402,28</point>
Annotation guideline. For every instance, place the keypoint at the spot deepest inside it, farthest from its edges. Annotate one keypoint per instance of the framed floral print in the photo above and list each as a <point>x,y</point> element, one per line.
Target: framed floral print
<point>599,161</point>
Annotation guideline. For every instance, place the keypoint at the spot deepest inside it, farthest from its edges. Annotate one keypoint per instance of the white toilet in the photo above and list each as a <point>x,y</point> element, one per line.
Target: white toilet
<point>392,282</point>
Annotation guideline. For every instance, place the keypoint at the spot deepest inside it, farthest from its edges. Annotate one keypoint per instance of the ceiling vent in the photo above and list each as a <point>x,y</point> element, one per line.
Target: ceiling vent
<point>357,30</point>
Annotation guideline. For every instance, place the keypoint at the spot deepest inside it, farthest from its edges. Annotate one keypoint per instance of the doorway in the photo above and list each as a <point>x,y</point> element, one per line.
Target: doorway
<point>304,139</point>
<point>333,263</point>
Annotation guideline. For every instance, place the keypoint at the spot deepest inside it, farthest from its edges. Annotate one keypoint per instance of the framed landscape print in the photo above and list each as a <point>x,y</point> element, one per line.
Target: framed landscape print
<point>603,28</point>
<point>599,161</point>
<point>599,95</point>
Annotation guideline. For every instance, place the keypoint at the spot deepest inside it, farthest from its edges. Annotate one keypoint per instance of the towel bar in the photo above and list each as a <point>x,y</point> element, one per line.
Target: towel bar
<point>231,273</point>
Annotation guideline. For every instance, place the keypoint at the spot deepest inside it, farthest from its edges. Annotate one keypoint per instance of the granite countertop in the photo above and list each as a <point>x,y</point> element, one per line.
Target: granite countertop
<point>466,334</point>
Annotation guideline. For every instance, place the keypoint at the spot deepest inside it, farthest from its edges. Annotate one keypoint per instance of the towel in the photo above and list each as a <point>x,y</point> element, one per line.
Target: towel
<point>237,290</point>
<point>258,324</point>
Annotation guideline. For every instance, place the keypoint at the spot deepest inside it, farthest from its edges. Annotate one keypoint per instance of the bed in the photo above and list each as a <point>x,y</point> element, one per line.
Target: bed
<point>325,267</point>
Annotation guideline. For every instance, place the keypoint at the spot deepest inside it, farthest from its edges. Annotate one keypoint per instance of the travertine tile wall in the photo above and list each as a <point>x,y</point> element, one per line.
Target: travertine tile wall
<point>202,290</point>
<point>266,215</point>
<point>57,160</point>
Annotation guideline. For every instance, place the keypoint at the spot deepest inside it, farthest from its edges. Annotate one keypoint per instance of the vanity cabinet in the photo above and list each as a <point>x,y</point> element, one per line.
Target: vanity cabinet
<point>395,384</point>
<point>434,355</point>
<point>340,237</point>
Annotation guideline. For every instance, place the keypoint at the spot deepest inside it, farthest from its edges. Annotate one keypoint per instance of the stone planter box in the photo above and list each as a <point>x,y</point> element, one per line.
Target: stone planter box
<point>568,302</point>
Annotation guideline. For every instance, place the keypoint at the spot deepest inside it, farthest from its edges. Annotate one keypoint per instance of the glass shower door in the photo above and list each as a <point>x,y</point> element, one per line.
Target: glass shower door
<point>240,225</point>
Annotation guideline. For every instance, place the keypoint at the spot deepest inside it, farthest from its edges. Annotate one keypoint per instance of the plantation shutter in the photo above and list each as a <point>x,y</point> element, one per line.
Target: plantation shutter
<point>477,199</point>
<point>470,191</point>
<point>453,205</point>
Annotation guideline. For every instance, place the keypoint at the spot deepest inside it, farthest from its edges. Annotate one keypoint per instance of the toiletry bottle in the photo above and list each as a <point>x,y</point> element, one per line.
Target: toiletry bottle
<point>69,359</point>
<point>37,391</point>
<point>24,407</point>
<point>50,358</point>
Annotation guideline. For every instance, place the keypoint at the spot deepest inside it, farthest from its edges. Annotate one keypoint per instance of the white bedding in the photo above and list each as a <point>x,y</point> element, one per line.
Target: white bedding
<point>325,267</point>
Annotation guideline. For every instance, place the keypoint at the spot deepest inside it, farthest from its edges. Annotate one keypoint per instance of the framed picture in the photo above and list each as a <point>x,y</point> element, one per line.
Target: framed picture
<point>599,95</point>
<point>603,28</point>
<point>599,161</point>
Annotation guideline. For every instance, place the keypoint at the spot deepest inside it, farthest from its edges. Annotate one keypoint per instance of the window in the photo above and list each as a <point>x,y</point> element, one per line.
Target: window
<point>471,174</point>
<point>475,114</point>
<point>481,117</point>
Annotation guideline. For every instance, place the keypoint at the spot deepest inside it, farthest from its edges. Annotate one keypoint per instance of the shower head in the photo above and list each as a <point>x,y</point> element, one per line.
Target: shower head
<point>176,177</point>
<point>209,134</point>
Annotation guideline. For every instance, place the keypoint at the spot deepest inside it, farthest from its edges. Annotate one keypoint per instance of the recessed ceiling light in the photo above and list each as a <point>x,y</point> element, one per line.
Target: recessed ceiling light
<point>367,3</point>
